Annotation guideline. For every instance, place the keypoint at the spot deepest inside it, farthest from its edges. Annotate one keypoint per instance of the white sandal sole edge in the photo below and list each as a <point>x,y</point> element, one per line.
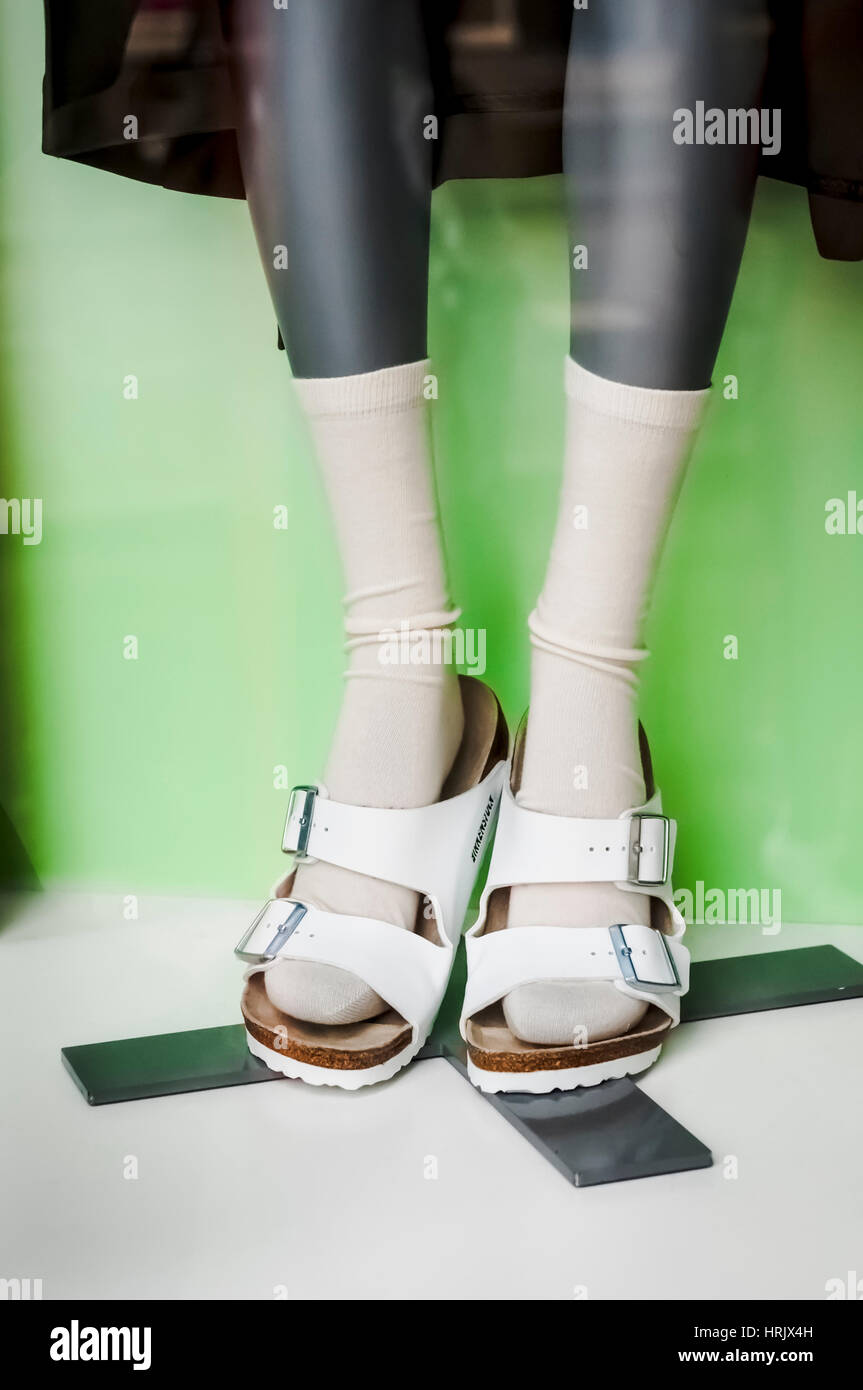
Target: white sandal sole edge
<point>539,1083</point>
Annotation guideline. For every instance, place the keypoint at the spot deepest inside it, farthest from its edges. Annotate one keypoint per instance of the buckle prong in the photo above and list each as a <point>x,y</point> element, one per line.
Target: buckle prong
<point>291,913</point>
<point>628,970</point>
<point>643,842</point>
<point>298,822</point>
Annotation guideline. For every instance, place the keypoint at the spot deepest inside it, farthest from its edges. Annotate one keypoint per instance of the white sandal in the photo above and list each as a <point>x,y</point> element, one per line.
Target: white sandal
<point>650,964</point>
<point>437,851</point>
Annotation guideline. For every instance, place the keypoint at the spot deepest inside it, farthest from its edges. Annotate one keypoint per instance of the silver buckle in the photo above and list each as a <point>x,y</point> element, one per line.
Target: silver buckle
<point>272,927</point>
<point>298,822</point>
<point>628,970</point>
<point>649,839</point>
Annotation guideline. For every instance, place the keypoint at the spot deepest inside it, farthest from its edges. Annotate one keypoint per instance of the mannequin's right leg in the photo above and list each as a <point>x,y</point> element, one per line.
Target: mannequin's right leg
<point>332,101</point>
<point>664,225</point>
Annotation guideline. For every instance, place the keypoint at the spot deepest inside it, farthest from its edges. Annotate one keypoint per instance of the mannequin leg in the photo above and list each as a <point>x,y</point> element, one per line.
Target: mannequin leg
<point>664,223</point>
<point>333,98</point>
<point>664,226</point>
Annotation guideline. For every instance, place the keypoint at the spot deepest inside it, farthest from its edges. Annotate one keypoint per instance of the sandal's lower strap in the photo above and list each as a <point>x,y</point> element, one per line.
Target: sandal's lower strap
<point>405,969</point>
<point>638,960</point>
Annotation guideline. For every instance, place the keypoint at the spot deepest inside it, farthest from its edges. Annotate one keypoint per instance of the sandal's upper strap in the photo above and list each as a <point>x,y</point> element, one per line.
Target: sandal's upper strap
<point>637,959</point>
<point>405,969</point>
<point>435,850</point>
<point>637,849</point>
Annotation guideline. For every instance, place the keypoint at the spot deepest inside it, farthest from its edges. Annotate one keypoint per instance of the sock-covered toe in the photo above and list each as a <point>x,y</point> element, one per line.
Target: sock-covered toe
<point>320,993</point>
<point>570,1013</point>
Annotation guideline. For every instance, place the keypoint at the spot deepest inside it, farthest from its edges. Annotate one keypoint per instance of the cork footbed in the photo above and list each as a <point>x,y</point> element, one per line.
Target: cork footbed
<point>493,1047</point>
<point>490,1043</point>
<point>344,1047</point>
<point>354,1046</point>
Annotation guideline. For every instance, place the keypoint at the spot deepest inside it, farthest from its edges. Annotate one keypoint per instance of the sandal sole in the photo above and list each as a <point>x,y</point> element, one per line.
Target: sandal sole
<point>563,1079</point>
<point>353,1080</point>
<point>505,1063</point>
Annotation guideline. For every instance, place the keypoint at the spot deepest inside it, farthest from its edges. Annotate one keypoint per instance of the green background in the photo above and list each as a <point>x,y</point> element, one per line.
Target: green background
<point>157,775</point>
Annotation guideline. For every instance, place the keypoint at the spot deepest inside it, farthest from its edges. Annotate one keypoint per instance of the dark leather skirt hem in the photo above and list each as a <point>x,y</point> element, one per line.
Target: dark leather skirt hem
<point>500,112</point>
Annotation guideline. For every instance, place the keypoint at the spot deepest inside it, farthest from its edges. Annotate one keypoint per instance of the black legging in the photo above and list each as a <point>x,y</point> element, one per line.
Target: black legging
<point>333,97</point>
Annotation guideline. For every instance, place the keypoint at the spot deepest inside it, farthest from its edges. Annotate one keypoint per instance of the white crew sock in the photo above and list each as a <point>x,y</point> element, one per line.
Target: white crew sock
<point>400,725</point>
<point>625,452</point>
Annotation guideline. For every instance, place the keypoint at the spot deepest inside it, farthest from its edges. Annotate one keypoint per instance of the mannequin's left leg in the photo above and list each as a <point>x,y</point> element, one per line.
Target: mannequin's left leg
<point>663,225</point>
<point>332,97</point>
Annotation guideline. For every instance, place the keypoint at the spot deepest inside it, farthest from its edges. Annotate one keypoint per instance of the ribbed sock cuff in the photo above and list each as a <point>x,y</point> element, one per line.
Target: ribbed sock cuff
<point>638,405</point>
<point>371,393</point>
